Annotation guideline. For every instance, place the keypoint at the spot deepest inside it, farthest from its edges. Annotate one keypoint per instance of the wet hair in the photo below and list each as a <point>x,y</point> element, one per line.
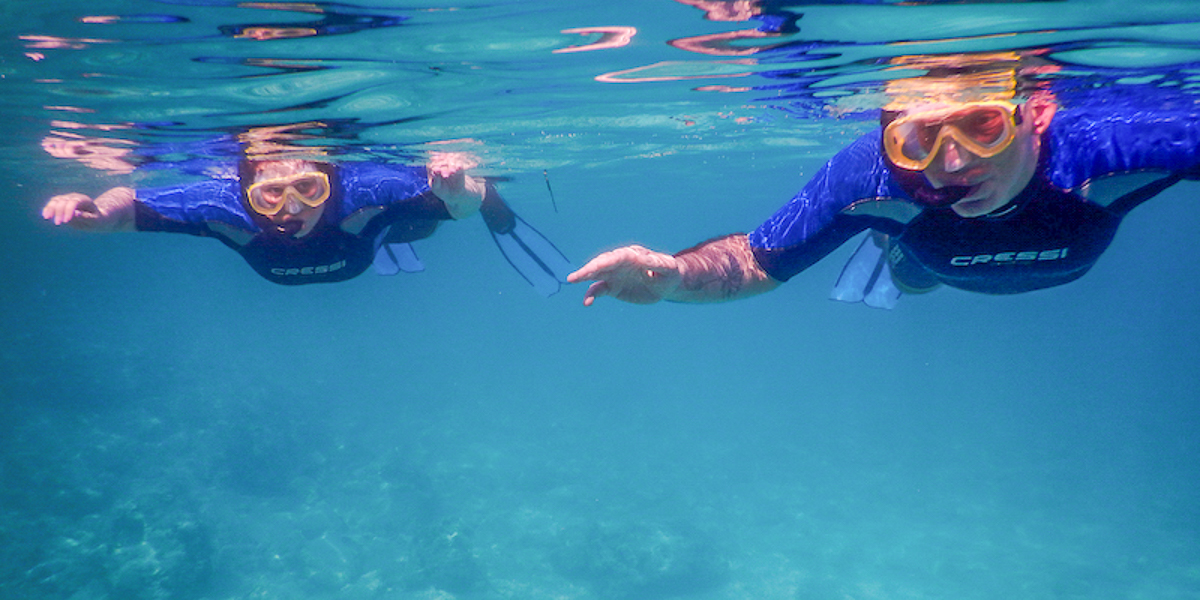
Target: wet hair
<point>248,170</point>
<point>964,77</point>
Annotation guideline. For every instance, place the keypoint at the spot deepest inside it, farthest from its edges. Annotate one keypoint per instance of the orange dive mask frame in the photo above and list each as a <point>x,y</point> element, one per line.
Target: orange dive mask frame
<point>269,196</point>
<point>983,128</point>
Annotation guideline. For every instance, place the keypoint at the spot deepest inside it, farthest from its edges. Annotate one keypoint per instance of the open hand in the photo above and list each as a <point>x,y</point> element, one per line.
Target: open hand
<point>111,211</point>
<point>632,274</point>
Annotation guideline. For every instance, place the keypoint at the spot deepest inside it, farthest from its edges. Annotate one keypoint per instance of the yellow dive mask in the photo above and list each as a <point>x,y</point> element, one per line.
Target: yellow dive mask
<point>269,196</point>
<point>983,128</point>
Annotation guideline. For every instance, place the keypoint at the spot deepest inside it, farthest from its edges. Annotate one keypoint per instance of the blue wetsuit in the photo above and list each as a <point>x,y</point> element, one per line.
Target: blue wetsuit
<point>215,208</point>
<point>1053,232</point>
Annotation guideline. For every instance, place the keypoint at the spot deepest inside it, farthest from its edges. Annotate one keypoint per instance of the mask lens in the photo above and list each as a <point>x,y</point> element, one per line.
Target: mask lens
<point>984,130</point>
<point>909,143</point>
<point>985,126</point>
<point>269,197</point>
<point>919,139</point>
<point>309,189</point>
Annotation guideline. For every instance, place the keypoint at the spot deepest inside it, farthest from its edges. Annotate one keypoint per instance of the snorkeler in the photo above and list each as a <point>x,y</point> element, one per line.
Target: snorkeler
<point>976,180</point>
<point>298,221</point>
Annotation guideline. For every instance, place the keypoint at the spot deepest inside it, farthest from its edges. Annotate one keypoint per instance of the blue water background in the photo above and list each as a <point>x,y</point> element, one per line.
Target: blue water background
<point>174,426</point>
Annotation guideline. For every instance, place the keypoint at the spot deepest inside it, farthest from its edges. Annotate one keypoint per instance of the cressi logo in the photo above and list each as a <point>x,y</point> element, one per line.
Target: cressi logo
<point>317,270</point>
<point>1027,256</point>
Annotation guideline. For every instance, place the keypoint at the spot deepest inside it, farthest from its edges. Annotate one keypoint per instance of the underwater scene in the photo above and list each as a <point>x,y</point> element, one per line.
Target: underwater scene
<point>438,416</point>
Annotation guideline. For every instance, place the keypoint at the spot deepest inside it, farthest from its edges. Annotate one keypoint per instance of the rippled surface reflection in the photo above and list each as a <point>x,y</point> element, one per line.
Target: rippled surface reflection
<point>540,85</point>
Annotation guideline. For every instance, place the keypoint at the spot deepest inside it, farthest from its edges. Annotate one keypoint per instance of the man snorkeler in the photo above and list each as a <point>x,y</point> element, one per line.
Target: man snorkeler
<point>975,180</point>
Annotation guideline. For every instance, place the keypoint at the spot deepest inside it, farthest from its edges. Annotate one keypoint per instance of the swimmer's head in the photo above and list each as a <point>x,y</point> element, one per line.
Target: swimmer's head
<point>289,195</point>
<point>964,132</point>
<point>286,184</point>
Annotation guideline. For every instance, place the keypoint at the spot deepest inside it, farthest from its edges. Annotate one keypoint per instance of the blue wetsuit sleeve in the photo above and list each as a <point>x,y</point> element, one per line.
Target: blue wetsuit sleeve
<point>403,189</point>
<point>811,225</point>
<point>189,207</point>
<point>1123,135</point>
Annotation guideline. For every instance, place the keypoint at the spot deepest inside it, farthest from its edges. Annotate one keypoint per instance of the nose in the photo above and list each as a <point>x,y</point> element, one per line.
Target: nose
<point>954,158</point>
<point>293,206</point>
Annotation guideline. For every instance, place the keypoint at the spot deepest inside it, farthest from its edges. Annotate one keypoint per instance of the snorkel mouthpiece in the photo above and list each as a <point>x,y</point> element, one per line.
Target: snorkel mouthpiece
<point>940,198</point>
<point>918,187</point>
<point>290,228</point>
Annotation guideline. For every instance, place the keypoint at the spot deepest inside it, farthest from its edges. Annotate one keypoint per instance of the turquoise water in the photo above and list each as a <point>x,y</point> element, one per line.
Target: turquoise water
<point>172,426</point>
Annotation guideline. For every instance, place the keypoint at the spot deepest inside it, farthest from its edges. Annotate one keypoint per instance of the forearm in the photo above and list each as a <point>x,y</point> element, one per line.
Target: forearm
<point>448,180</point>
<point>720,270</point>
<point>465,202</point>
<point>116,206</point>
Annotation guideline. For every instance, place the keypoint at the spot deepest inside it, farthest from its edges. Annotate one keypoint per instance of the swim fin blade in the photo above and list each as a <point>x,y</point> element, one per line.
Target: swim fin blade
<point>883,293</point>
<point>866,278</point>
<point>391,259</point>
<point>527,250</point>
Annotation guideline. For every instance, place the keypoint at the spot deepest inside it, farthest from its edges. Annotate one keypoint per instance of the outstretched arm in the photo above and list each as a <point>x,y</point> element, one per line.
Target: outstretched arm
<point>715,271</point>
<point>111,211</point>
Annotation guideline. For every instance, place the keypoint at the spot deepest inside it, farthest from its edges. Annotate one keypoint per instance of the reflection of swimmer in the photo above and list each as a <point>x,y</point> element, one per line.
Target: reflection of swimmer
<point>329,19</point>
<point>966,185</point>
<point>610,37</point>
<point>299,221</point>
<point>774,21</point>
<point>329,23</point>
<point>106,154</point>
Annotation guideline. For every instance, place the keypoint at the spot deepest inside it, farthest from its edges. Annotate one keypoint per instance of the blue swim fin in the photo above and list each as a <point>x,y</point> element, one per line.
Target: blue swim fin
<point>867,278</point>
<point>528,251</point>
<point>883,293</point>
<point>393,258</point>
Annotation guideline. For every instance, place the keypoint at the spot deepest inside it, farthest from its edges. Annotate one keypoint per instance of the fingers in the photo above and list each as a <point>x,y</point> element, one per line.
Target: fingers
<point>584,273</point>
<point>446,176</point>
<point>594,291</point>
<point>446,185</point>
<point>631,274</point>
<point>457,183</point>
<point>602,264</point>
<point>61,209</point>
<point>449,181</point>
<point>439,185</point>
<point>52,209</point>
<point>624,260</point>
<point>449,164</point>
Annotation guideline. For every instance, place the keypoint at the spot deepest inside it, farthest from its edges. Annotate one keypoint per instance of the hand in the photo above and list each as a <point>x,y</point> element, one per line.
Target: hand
<point>632,274</point>
<point>111,211</point>
<point>448,179</point>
